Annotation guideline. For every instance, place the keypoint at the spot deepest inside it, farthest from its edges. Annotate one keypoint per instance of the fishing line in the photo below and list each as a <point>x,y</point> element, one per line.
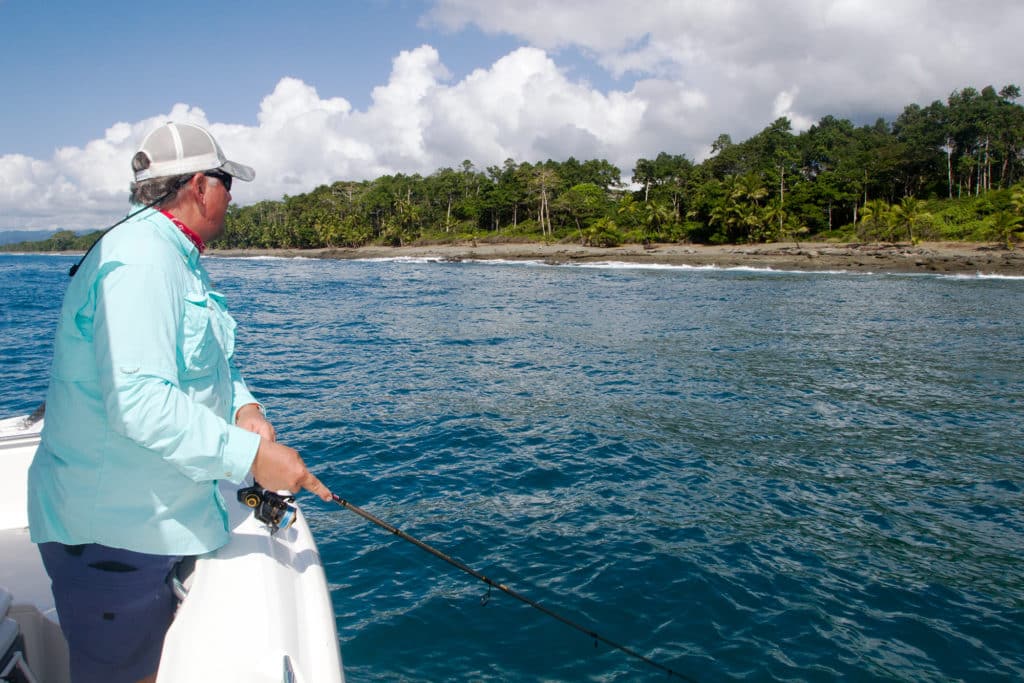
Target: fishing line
<point>503,588</point>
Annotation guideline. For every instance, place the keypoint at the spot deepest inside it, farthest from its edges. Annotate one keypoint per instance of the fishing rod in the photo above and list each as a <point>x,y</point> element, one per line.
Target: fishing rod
<point>503,588</point>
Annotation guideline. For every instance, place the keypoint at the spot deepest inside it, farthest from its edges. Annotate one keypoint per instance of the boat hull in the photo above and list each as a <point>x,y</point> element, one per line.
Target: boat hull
<point>257,609</point>
<point>263,606</point>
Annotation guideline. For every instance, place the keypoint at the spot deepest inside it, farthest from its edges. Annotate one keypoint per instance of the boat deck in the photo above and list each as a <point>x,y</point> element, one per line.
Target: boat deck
<point>21,570</point>
<point>257,609</point>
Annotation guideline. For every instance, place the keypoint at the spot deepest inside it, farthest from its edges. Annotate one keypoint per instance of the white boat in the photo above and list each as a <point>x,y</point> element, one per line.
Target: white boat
<point>257,610</point>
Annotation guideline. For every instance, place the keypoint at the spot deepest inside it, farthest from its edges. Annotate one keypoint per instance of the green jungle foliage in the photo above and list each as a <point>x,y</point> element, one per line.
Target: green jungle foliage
<point>62,240</point>
<point>948,171</point>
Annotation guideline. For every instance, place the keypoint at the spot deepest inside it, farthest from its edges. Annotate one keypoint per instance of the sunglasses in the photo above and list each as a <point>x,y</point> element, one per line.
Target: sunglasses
<point>223,177</point>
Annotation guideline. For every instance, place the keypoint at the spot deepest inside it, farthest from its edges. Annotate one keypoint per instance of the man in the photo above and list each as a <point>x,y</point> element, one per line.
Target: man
<point>145,412</point>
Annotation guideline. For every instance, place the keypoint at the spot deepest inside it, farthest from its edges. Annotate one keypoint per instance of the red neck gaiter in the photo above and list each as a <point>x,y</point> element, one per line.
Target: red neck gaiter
<point>192,236</point>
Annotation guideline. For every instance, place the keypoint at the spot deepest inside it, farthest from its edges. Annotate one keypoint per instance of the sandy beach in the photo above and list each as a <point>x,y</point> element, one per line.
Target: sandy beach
<point>926,257</point>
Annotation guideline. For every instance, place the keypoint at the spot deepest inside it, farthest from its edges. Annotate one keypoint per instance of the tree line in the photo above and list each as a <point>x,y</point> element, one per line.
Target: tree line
<point>950,170</point>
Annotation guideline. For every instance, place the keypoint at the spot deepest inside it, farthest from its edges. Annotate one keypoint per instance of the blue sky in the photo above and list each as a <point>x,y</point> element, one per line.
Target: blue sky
<point>80,66</point>
<point>311,92</point>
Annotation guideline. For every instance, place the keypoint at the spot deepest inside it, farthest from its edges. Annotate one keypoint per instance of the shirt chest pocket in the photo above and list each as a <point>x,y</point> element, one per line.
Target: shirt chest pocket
<point>208,335</point>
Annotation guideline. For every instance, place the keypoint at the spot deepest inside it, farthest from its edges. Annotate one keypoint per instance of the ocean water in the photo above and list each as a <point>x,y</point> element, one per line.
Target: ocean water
<point>739,474</point>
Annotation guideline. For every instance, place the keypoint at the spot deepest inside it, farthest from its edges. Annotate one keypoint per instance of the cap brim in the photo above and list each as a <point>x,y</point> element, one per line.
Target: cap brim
<point>240,171</point>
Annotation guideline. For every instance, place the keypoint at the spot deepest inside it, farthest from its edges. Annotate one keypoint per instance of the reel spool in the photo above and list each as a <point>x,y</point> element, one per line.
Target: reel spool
<point>270,508</point>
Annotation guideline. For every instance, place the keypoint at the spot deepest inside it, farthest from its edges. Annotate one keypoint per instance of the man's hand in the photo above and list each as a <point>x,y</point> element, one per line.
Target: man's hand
<point>250,418</point>
<point>278,467</point>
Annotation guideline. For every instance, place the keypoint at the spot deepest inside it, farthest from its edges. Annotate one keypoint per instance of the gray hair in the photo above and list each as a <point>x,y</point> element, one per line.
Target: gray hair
<point>158,190</point>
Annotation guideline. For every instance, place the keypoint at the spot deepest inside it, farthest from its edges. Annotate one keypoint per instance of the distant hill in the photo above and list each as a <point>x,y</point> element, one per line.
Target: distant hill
<point>47,241</point>
<point>12,236</point>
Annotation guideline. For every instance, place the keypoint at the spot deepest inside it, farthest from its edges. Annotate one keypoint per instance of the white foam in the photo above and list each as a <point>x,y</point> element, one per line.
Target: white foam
<point>262,257</point>
<point>400,259</point>
<point>983,276</point>
<point>622,265</point>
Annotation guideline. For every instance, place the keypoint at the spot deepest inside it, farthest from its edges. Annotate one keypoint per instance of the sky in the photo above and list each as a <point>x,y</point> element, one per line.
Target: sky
<point>313,92</point>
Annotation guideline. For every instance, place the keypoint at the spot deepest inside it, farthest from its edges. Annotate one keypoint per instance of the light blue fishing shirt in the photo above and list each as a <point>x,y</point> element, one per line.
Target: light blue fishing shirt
<point>141,403</point>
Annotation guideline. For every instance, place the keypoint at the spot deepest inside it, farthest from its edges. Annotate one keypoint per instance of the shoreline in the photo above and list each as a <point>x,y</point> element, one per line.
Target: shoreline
<point>927,257</point>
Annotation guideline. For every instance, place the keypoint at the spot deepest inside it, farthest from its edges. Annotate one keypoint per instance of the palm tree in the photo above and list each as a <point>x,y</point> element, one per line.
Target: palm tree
<point>726,216</point>
<point>656,215</point>
<point>1005,226</point>
<point>629,209</point>
<point>747,193</point>
<point>738,212</point>
<point>874,217</point>
<point>793,228</point>
<point>908,213</point>
<point>1017,198</point>
<point>750,189</point>
<point>602,233</point>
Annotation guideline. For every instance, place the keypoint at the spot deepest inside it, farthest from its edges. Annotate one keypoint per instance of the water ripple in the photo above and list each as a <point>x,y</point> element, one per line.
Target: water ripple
<point>742,475</point>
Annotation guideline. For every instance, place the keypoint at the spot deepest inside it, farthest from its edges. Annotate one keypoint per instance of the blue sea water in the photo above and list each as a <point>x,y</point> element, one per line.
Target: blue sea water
<point>739,474</point>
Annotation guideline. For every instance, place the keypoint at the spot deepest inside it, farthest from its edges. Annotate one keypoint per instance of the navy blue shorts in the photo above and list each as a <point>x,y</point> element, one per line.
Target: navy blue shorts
<point>115,607</point>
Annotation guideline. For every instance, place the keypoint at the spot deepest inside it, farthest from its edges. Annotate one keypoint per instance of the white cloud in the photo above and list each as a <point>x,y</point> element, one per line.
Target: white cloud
<point>78,187</point>
<point>747,58</point>
<point>688,70</point>
<point>522,107</point>
<point>784,107</point>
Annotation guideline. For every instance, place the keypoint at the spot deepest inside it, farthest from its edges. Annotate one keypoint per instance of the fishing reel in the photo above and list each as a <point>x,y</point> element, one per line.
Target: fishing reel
<point>273,509</point>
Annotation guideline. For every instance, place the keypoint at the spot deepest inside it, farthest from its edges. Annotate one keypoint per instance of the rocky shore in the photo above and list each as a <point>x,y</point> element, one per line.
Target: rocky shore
<point>926,257</point>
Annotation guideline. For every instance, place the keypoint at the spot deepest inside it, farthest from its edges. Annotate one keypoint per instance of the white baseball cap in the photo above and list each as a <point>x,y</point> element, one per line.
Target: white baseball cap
<point>180,148</point>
